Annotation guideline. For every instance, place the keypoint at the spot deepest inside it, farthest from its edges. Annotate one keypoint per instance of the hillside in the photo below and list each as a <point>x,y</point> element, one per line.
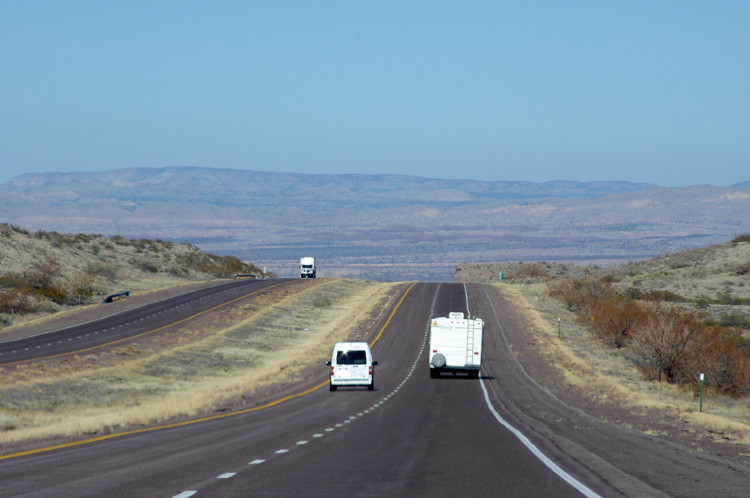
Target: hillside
<point>713,281</point>
<point>384,227</point>
<point>44,272</point>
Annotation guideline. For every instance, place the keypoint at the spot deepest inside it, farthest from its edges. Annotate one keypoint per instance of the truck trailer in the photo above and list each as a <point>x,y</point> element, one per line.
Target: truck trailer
<point>455,345</point>
<point>307,267</point>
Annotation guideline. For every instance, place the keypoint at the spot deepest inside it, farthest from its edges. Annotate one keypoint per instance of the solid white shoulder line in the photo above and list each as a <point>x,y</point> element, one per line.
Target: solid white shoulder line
<point>536,451</point>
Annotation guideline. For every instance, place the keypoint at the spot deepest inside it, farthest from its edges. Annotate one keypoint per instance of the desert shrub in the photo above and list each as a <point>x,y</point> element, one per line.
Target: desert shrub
<point>55,293</point>
<point>737,320</point>
<point>322,301</point>
<point>578,294</point>
<point>42,274</point>
<point>529,270</point>
<point>717,353</point>
<point>728,299</point>
<point>702,302</point>
<point>615,319</point>
<point>14,301</point>
<point>178,271</point>
<point>664,296</point>
<point>82,284</point>
<point>107,271</point>
<point>147,265</point>
<point>634,292</point>
<point>14,280</point>
<point>662,340</point>
<point>741,238</point>
<point>218,266</point>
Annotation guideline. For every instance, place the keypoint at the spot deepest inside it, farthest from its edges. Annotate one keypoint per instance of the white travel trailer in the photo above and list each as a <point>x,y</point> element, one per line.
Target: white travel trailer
<point>351,365</point>
<point>455,345</point>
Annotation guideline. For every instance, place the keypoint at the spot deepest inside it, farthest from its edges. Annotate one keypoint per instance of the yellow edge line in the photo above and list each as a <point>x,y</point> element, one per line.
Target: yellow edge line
<point>130,338</point>
<point>204,419</point>
<point>392,313</point>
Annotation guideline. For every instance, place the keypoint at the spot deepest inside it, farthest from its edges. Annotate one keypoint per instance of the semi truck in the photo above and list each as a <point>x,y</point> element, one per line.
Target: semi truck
<point>455,345</point>
<point>307,267</point>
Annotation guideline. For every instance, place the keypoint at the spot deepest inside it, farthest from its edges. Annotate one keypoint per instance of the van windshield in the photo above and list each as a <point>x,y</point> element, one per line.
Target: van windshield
<point>351,358</point>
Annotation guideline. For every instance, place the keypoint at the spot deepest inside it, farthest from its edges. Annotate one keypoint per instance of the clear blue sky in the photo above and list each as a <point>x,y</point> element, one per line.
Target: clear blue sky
<point>644,91</point>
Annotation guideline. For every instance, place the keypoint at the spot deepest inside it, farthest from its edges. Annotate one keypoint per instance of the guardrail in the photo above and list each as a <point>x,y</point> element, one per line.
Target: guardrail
<point>115,297</point>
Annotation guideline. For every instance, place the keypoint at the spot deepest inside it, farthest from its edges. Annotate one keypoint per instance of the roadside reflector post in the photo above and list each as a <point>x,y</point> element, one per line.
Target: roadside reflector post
<point>500,276</point>
<point>559,333</point>
<point>700,406</point>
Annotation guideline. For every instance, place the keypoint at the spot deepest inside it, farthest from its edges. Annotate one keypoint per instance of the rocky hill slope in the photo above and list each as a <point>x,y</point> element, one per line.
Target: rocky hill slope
<point>44,272</point>
<point>712,281</point>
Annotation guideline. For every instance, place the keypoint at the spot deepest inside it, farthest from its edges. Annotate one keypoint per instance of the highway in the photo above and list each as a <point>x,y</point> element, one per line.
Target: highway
<point>499,435</point>
<point>129,323</point>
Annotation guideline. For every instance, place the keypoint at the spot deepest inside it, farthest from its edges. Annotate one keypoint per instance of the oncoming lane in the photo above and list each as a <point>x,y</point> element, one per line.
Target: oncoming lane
<point>129,323</point>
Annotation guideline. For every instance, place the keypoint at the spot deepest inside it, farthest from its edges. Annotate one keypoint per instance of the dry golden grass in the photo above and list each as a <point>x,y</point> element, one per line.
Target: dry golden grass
<point>239,352</point>
<point>606,375</point>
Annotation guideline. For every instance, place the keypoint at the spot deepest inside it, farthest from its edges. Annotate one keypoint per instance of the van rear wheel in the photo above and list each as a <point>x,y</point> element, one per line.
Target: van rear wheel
<point>332,387</point>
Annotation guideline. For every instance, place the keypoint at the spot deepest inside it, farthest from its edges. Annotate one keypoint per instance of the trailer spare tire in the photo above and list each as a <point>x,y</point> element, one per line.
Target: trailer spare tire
<point>438,361</point>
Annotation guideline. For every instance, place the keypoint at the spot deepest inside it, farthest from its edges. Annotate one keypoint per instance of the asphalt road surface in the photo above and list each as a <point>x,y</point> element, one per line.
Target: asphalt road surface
<point>411,436</point>
<point>129,322</point>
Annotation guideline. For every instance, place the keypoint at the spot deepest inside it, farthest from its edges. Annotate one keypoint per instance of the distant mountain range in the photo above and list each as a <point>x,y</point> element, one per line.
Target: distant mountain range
<point>379,226</point>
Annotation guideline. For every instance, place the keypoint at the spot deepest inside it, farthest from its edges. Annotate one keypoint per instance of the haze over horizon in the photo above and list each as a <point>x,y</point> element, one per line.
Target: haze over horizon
<point>639,92</point>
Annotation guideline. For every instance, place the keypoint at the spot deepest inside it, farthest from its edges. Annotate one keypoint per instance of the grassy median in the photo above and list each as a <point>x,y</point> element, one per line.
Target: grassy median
<point>236,356</point>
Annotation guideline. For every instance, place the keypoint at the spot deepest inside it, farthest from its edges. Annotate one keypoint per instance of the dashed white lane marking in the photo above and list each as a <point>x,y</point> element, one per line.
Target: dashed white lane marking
<point>185,494</point>
<point>227,475</point>
<point>351,418</point>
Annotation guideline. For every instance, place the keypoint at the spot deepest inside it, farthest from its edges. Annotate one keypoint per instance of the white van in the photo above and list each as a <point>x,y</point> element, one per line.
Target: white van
<point>351,365</point>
